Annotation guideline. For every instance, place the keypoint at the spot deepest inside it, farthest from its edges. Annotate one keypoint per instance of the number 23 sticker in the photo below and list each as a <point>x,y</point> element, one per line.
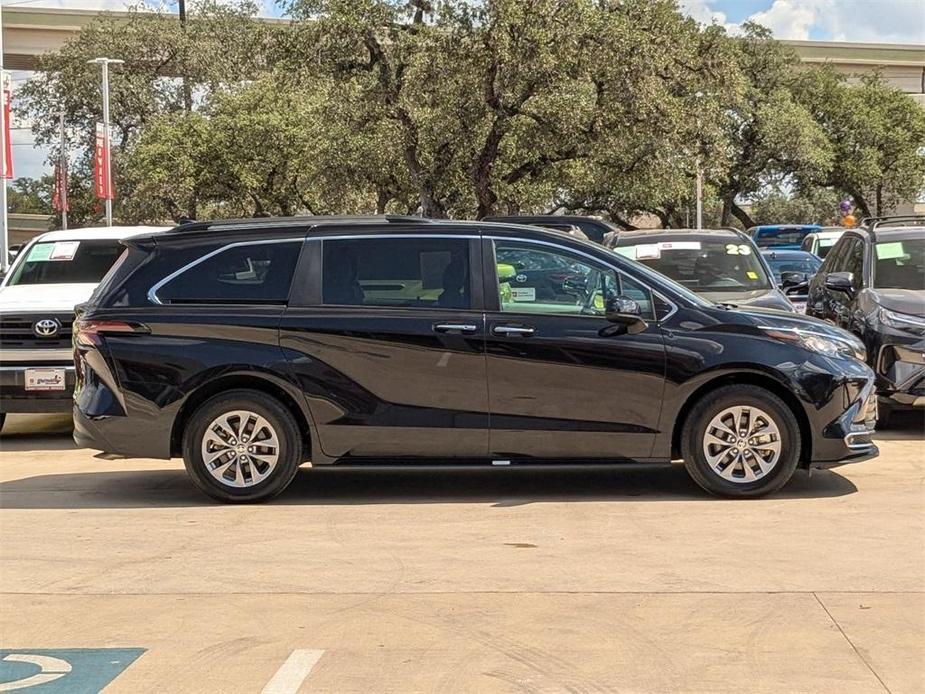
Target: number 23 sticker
<point>738,249</point>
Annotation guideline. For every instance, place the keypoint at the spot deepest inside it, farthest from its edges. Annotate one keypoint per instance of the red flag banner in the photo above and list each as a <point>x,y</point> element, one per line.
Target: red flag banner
<point>101,176</point>
<point>59,198</point>
<point>7,145</point>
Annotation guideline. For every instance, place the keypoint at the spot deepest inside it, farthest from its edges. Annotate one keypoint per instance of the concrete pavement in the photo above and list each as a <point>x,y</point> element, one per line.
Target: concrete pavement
<point>512,580</point>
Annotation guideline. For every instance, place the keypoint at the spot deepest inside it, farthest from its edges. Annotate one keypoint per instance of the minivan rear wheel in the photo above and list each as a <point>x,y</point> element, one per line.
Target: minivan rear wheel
<point>242,446</point>
<point>741,441</point>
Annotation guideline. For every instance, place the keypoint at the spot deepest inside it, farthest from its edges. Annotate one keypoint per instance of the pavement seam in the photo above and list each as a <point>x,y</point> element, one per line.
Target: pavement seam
<point>472,592</point>
<point>851,643</point>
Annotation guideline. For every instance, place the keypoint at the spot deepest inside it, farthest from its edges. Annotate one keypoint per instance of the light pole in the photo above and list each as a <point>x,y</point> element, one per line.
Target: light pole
<point>699,96</point>
<point>4,234</point>
<point>62,171</point>
<point>104,63</point>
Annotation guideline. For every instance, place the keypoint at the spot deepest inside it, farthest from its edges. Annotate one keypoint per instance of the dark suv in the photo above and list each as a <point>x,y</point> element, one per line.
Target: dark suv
<point>872,283</point>
<point>249,347</point>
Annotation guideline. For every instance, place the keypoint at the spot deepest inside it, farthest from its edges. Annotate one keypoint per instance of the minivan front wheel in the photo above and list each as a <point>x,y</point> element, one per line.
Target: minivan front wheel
<point>242,446</point>
<point>741,441</point>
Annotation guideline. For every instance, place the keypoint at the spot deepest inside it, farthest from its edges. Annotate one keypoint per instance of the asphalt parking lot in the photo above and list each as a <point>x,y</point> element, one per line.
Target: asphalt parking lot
<point>492,580</point>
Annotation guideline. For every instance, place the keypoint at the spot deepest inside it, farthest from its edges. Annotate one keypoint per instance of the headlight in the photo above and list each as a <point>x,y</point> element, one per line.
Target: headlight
<point>901,321</point>
<point>829,345</point>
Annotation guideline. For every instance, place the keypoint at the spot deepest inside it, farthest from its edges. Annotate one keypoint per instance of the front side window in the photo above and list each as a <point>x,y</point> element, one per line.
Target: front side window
<point>533,279</point>
<point>900,264</point>
<point>399,272</point>
<point>709,264</point>
<point>258,273</point>
<point>67,262</point>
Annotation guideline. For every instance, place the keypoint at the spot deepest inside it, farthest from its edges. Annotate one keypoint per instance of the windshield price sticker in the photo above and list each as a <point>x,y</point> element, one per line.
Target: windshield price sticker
<point>890,251</point>
<point>679,245</point>
<point>648,251</point>
<point>64,250</point>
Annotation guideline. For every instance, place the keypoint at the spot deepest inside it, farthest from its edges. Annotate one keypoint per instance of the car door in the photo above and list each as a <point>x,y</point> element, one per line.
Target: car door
<point>562,383</point>
<point>385,335</point>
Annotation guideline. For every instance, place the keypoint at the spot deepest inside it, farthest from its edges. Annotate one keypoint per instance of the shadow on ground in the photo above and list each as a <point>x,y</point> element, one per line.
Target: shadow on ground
<point>314,486</point>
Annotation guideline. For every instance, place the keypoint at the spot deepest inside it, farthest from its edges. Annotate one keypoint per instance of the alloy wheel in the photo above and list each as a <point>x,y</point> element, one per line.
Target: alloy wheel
<point>240,448</point>
<point>742,444</point>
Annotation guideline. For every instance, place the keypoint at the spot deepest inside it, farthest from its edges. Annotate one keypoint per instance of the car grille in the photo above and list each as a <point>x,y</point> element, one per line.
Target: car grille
<point>17,332</point>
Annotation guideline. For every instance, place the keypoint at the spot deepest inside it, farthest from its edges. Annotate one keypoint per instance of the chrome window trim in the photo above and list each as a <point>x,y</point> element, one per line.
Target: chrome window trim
<point>672,305</point>
<point>152,292</point>
<point>409,235</point>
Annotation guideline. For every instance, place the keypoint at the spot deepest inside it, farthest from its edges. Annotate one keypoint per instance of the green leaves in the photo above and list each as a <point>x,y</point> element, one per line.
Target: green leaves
<point>463,109</point>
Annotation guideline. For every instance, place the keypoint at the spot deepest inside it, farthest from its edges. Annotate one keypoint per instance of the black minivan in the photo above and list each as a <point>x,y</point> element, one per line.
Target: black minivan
<point>252,346</point>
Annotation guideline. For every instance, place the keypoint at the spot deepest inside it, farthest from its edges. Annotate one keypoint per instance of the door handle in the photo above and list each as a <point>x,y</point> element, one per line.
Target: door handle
<point>512,330</point>
<point>455,327</point>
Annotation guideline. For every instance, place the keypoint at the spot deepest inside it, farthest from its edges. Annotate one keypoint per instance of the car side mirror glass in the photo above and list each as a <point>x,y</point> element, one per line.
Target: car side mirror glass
<point>840,282</point>
<point>625,313</point>
<point>792,279</point>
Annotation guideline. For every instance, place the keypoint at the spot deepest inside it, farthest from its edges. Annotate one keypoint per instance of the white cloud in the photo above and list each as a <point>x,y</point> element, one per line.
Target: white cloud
<point>884,21</point>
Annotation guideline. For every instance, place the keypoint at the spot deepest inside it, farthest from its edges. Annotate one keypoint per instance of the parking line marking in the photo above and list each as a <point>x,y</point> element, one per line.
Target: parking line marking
<point>293,672</point>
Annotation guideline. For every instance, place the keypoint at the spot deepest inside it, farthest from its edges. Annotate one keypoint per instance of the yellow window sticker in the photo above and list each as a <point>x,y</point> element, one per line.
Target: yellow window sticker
<point>752,275</point>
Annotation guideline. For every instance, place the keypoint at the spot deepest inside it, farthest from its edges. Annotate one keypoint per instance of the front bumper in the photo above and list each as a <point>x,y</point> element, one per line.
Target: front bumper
<point>900,367</point>
<point>14,397</point>
<point>848,438</point>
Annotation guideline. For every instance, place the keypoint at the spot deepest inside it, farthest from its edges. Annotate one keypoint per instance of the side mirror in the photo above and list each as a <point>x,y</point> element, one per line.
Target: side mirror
<point>625,314</point>
<point>840,282</point>
<point>792,279</point>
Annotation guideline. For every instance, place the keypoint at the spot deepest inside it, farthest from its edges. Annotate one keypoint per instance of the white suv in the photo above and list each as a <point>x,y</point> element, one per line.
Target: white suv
<point>53,273</point>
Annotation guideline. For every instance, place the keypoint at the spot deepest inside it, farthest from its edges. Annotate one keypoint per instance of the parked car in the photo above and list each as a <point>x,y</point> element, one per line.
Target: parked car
<point>251,346</point>
<point>793,270</point>
<point>593,228</point>
<point>781,235</point>
<point>819,243</point>
<point>51,274</point>
<point>722,265</point>
<point>873,284</point>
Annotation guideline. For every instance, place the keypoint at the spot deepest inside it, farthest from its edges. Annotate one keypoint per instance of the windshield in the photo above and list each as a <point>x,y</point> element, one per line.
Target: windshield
<point>772,238</point>
<point>66,262</point>
<point>826,245</point>
<point>708,265</point>
<point>806,264</point>
<point>900,264</point>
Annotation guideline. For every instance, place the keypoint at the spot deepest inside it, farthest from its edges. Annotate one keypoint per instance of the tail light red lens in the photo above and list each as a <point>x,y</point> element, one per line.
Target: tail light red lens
<point>87,332</point>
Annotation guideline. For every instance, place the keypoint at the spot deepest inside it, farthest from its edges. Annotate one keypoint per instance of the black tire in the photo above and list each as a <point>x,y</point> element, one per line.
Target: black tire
<point>711,405</point>
<point>2,420</point>
<point>884,415</point>
<point>279,418</point>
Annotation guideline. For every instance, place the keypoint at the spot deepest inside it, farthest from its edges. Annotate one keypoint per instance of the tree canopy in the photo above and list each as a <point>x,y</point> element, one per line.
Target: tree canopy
<point>454,108</point>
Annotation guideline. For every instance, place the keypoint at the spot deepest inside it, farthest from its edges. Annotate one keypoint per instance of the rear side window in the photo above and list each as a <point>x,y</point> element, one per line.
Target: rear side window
<point>408,273</point>
<point>258,273</point>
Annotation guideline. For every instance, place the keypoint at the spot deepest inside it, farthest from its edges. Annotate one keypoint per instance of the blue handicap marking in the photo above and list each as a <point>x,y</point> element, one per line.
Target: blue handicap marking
<point>62,670</point>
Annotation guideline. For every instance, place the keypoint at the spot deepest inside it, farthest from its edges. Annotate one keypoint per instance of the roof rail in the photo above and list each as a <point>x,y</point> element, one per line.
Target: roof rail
<point>873,222</point>
<point>187,225</point>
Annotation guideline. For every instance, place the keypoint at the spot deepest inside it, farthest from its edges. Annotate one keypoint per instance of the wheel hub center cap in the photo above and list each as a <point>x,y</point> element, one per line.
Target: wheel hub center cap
<point>239,448</point>
<point>740,444</point>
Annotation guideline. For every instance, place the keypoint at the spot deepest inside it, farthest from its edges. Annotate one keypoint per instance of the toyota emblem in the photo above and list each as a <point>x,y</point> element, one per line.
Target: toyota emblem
<point>47,327</point>
<point>521,278</point>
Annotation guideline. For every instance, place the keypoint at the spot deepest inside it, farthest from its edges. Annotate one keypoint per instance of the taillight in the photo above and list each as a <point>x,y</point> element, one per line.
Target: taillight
<point>87,332</point>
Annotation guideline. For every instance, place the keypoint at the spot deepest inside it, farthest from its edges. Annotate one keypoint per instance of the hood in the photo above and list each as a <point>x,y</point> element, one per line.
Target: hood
<point>790,321</point>
<point>60,298</point>
<point>909,301</point>
<point>765,298</point>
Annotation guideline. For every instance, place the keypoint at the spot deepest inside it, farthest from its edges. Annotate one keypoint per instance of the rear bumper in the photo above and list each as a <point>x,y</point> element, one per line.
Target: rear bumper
<point>15,398</point>
<point>120,435</point>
